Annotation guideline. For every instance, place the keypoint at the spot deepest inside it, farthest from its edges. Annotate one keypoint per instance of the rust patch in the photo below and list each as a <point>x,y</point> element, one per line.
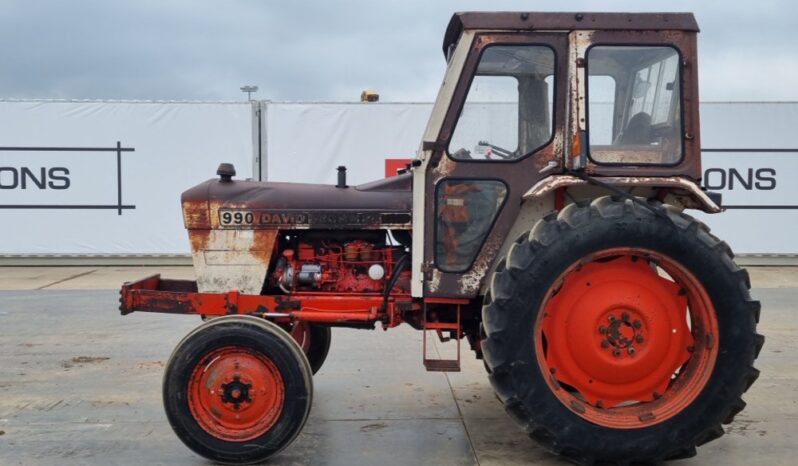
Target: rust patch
<point>444,169</point>
<point>471,282</point>
<point>263,245</point>
<point>195,214</point>
<point>199,239</point>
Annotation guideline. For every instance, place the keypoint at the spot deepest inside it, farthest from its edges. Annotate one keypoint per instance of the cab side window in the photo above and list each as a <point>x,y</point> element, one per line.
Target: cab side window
<point>508,110</point>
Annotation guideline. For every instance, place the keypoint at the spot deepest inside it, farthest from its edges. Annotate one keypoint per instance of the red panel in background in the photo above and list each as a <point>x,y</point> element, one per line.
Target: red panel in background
<point>392,165</point>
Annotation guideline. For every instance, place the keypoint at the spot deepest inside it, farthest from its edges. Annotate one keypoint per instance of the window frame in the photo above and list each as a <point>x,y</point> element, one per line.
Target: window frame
<point>461,104</point>
<point>682,128</point>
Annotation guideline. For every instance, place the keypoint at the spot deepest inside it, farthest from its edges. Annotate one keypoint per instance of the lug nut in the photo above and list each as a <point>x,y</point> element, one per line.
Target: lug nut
<point>605,344</point>
<point>611,318</point>
<point>625,316</point>
<point>602,330</point>
<point>639,338</point>
<point>631,350</point>
<point>616,352</point>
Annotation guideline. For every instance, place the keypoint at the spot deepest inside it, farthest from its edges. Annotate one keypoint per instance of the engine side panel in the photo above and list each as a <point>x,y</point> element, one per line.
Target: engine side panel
<point>227,260</point>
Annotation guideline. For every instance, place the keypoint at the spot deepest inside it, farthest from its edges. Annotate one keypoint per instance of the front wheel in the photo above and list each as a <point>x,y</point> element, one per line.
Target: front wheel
<point>237,389</point>
<point>614,335</point>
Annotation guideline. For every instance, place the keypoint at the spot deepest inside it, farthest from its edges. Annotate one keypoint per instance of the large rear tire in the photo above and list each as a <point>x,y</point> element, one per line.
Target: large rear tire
<point>237,389</point>
<point>616,335</point>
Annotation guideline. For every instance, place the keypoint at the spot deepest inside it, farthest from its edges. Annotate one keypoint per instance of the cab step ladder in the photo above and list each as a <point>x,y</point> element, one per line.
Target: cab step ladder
<point>439,364</point>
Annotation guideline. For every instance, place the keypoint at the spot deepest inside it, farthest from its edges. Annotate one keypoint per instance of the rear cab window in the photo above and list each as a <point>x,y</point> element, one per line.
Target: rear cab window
<point>634,112</point>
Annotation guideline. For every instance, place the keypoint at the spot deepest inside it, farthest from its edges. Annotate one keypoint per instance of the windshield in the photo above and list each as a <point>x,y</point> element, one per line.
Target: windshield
<point>634,104</point>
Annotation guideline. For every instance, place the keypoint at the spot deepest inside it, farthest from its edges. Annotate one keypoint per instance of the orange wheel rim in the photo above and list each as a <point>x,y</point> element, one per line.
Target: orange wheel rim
<point>235,393</point>
<point>627,338</point>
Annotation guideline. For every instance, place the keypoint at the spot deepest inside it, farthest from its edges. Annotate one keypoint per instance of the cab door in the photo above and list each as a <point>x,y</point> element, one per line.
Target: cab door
<point>502,133</point>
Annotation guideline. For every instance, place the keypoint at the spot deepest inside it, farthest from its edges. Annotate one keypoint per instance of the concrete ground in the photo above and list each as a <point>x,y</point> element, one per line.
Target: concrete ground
<point>80,384</point>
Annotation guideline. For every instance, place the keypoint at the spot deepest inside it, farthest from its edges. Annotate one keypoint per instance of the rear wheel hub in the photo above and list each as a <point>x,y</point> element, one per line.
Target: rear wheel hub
<point>617,332</point>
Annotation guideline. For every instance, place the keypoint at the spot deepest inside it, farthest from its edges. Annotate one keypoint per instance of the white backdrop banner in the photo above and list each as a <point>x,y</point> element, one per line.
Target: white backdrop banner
<point>66,188</point>
<point>307,141</point>
<point>752,158</point>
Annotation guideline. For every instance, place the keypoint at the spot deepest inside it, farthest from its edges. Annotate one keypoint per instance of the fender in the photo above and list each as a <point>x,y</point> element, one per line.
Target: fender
<point>680,191</point>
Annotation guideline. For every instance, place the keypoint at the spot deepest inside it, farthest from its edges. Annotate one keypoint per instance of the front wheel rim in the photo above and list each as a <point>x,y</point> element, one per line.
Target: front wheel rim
<point>627,337</point>
<point>236,393</point>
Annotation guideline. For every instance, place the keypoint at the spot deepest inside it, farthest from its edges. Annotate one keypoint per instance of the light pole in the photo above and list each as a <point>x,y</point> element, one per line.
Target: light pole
<point>249,90</point>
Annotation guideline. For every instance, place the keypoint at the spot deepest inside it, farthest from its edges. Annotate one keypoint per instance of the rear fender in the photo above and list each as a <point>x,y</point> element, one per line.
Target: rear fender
<point>543,198</point>
<point>674,190</point>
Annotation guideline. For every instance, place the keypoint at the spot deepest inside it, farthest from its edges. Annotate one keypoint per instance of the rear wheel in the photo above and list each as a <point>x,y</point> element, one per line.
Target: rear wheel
<point>314,340</point>
<point>616,335</point>
<point>237,389</point>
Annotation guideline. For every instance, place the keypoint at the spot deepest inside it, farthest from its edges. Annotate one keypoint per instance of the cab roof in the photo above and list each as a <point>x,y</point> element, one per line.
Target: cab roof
<point>529,21</point>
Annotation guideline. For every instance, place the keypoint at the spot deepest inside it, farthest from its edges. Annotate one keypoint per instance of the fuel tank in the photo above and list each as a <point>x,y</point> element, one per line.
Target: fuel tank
<point>233,224</point>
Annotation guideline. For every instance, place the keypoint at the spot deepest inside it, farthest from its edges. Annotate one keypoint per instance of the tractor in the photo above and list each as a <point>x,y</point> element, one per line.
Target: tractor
<point>542,222</point>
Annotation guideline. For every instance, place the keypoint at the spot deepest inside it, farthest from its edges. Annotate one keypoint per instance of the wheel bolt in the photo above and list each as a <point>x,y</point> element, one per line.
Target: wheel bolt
<point>605,344</point>
<point>611,318</point>
<point>631,350</point>
<point>616,352</point>
<point>602,330</point>
<point>639,338</point>
<point>637,323</point>
<point>625,316</point>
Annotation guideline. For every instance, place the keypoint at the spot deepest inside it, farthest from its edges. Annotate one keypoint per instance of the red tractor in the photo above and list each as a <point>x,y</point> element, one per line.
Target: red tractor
<point>543,220</point>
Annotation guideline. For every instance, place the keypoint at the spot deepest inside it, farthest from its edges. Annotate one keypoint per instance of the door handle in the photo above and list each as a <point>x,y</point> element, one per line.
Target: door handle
<point>550,167</point>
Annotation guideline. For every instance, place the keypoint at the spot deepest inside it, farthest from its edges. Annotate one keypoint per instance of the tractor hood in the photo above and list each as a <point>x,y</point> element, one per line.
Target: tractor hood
<point>231,204</point>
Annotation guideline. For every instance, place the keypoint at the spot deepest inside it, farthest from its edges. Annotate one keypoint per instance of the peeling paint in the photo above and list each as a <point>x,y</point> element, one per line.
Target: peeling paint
<point>199,239</point>
<point>233,260</point>
<point>471,281</point>
<point>435,282</point>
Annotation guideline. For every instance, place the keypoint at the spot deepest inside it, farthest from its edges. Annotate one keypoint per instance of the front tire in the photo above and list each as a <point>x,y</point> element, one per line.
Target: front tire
<point>237,389</point>
<point>617,335</point>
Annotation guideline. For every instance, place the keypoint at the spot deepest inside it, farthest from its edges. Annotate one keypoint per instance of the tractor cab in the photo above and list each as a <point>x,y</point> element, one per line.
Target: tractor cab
<point>533,107</point>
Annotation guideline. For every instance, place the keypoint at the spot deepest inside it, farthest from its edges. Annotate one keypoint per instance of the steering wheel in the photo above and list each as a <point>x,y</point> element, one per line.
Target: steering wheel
<point>501,152</point>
